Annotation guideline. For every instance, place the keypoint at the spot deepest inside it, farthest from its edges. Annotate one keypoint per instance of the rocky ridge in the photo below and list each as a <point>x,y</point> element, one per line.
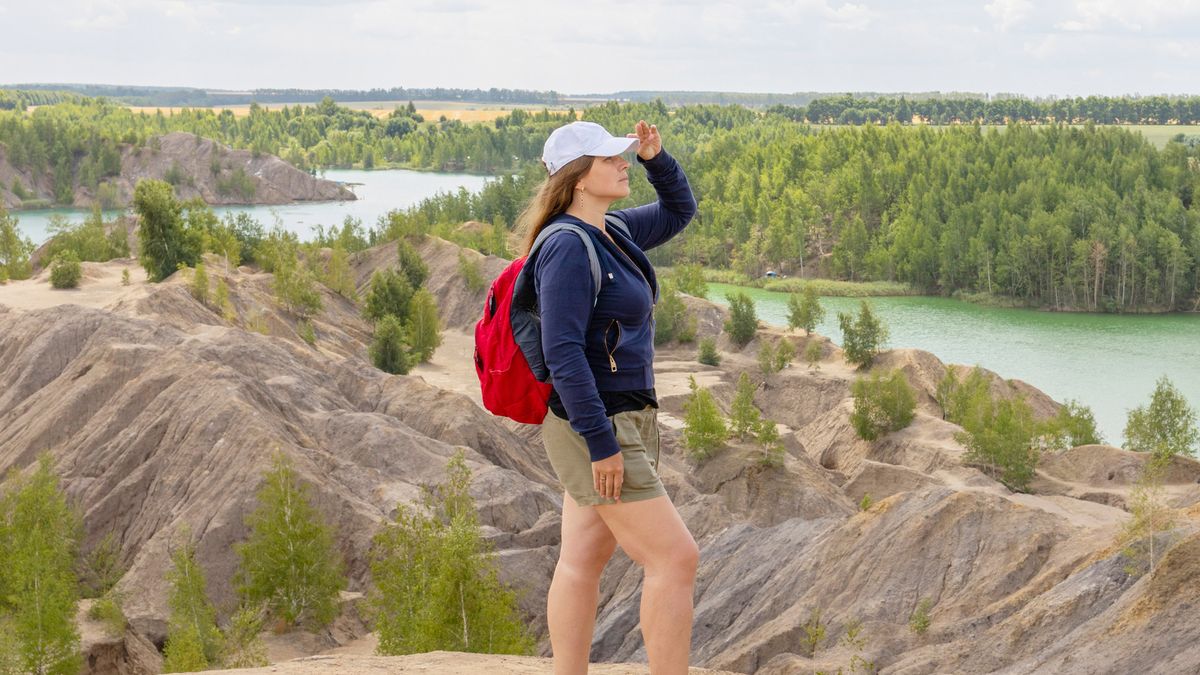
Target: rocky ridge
<point>160,414</point>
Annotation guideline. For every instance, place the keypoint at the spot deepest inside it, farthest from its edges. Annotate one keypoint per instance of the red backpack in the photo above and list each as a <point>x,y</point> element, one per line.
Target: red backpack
<point>508,339</point>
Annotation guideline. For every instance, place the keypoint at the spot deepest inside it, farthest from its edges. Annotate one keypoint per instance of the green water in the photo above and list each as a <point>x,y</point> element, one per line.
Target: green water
<point>1108,362</point>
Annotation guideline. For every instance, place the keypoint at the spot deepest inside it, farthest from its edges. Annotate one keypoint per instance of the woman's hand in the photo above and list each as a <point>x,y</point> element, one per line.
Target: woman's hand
<point>649,142</point>
<point>607,476</point>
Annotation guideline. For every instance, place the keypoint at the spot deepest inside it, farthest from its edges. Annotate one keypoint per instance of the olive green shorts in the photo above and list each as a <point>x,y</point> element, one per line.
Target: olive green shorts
<point>637,434</point>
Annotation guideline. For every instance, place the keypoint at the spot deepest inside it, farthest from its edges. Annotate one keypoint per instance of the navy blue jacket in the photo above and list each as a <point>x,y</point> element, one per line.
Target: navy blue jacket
<point>609,347</point>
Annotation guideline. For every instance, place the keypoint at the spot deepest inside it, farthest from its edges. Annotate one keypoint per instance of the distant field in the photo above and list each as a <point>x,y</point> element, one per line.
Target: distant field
<point>431,110</point>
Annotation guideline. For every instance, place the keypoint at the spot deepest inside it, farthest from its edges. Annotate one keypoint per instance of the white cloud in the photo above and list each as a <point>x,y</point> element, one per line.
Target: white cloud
<point>1091,15</point>
<point>846,15</point>
<point>1008,12</point>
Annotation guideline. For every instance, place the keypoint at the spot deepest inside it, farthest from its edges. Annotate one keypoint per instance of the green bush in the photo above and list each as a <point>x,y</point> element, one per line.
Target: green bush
<point>862,337</point>
<point>689,278</point>
<point>410,263</point>
<point>423,326</point>
<point>766,357</point>
<point>672,321</point>
<point>304,329</point>
<point>199,286</point>
<point>242,646</point>
<point>882,404</point>
<point>805,310</point>
<point>743,322</point>
<point>813,353</point>
<point>289,563</point>
<point>769,443</point>
<point>390,293</point>
<point>704,429</point>
<point>166,240</point>
<point>1073,425</point>
<point>1165,427</point>
<point>65,270</point>
<point>999,438</point>
<point>125,280</point>
<point>469,270</point>
<point>744,417</point>
<point>14,248</point>
<point>101,568</point>
<point>436,580</point>
<point>919,621</point>
<point>107,610</point>
<point>785,351</point>
<point>389,348</point>
<point>709,355</point>
<point>296,288</point>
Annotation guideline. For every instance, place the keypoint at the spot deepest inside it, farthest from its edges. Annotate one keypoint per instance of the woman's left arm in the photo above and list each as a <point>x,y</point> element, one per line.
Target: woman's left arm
<point>654,224</point>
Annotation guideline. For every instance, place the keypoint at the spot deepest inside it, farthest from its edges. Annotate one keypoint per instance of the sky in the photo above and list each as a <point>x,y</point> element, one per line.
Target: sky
<point>1036,48</point>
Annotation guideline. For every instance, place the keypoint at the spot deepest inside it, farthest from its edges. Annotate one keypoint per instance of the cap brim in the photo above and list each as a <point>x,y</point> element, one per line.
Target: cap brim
<point>615,146</point>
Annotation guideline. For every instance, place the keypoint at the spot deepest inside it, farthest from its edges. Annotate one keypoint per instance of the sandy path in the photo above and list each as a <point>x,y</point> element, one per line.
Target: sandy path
<point>443,663</point>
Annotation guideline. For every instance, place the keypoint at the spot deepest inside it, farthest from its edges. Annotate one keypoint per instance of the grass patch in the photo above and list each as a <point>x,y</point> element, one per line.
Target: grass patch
<point>844,289</point>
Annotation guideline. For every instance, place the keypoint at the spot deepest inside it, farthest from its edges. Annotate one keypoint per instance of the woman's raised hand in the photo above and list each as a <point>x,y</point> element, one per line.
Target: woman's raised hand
<point>649,142</point>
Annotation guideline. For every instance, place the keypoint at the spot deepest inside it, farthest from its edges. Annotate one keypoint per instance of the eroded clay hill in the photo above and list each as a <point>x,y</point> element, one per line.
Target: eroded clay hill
<point>198,167</point>
<point>160,414</point>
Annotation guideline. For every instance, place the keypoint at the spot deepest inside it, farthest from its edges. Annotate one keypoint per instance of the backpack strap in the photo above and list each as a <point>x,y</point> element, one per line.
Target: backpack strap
<point>593,259</point>
<point>613,220</point>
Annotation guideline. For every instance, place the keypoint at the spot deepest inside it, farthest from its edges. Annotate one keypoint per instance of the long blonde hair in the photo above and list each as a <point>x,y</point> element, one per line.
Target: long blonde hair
<point>553,197</point>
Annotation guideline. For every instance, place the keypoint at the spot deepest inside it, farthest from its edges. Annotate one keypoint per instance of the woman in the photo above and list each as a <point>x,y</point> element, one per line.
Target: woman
<point>601,432</point>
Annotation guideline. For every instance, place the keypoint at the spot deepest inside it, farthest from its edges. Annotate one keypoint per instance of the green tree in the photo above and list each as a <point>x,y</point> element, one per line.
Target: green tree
<point>410,263</point>
<point>222,301</point>
<point>813,353</point>
<point>708,354</point>
<point>785,351</point>
<point>805,310</point>
<point>862,337</point>
<point>295,287</point>
<point>390,294</point>
<point>689,278</point>
<point>704,429</point>
<point>744,417</point>
<point>883,403</point>
<point>39,536</point>
<point>199,286</point>
<point>165,241</point>
<point>1165,427</point>
<point>338,276</point>
<point>769,443</point>
<point>743,322</point>
<point>65,271</point>
<point>672,321</point>
<point>1000,438</point>
<point>1073,425</point>
<point>1149,514</point>
<point>766,357</point>
<point>289,562</point>
<point>423,326</point>
<point>14,249</point>
<point>193,639</point>
<point>389,349</point>
<point>436,579</point>
<point>469,271</point>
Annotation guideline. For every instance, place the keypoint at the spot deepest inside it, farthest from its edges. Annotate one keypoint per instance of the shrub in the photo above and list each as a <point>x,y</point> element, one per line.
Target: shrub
<point>814,633</point>
<point>785,351</point>
<point>709,355</point>
<point>242,646</point>
<point>437,585</point>
<point>199,285</point>
<point>805,310</point>
<point>125,280</point>
<point>469,270</point>
<point>39,535</point>
<point>390,293</point>
<point>744,418</point>
<point>338,276</point>
<point>14,249</point>
<point>424,327</point>
<point>813,353</point>
<point>690,279</point>
<point>862,337</point>
<point>1149,514</point>
<point>389,350</point>
<point>964,402</point>
<point>1073,425</point>
<point>704,428</point>
<point>919,621</point>
<point>304,329</point>
<point>766,358</point>
<point>289,563</point>
<point>742,323</point>
<point>193,639</point>
<point>296,289</point>
<point>768,441</point>
<point>410,263</point>
<point>882,404</point>
<point>671,318</point>
<point>222,301</point>
<point>65,271</point>
<point>1166,427</point>
<point>107,610</point>
<point>101,568</point>
<point>1000,439</point>
<point>866,502</point>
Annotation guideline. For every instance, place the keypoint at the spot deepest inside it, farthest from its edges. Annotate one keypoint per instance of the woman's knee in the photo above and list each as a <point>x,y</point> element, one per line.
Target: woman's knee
<point>587,558</point>
<point>679,560</point>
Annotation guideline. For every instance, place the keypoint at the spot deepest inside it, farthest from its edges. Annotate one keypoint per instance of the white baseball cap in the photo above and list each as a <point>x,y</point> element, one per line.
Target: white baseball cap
<point>579,139</point>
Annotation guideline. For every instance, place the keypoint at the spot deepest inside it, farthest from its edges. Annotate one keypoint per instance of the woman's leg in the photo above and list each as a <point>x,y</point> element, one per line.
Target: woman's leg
<point>654,536</point>
<point>587,544</point>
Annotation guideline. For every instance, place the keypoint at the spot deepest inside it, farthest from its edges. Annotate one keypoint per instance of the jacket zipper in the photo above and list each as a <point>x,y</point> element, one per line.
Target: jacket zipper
<point>612,363</point>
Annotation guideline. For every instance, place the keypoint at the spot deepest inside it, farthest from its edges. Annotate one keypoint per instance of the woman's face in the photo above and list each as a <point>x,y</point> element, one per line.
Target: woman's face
<point>607,179</point>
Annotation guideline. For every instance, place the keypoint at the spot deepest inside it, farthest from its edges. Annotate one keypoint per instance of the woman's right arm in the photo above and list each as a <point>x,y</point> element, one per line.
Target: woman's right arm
<point>566,294</point>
